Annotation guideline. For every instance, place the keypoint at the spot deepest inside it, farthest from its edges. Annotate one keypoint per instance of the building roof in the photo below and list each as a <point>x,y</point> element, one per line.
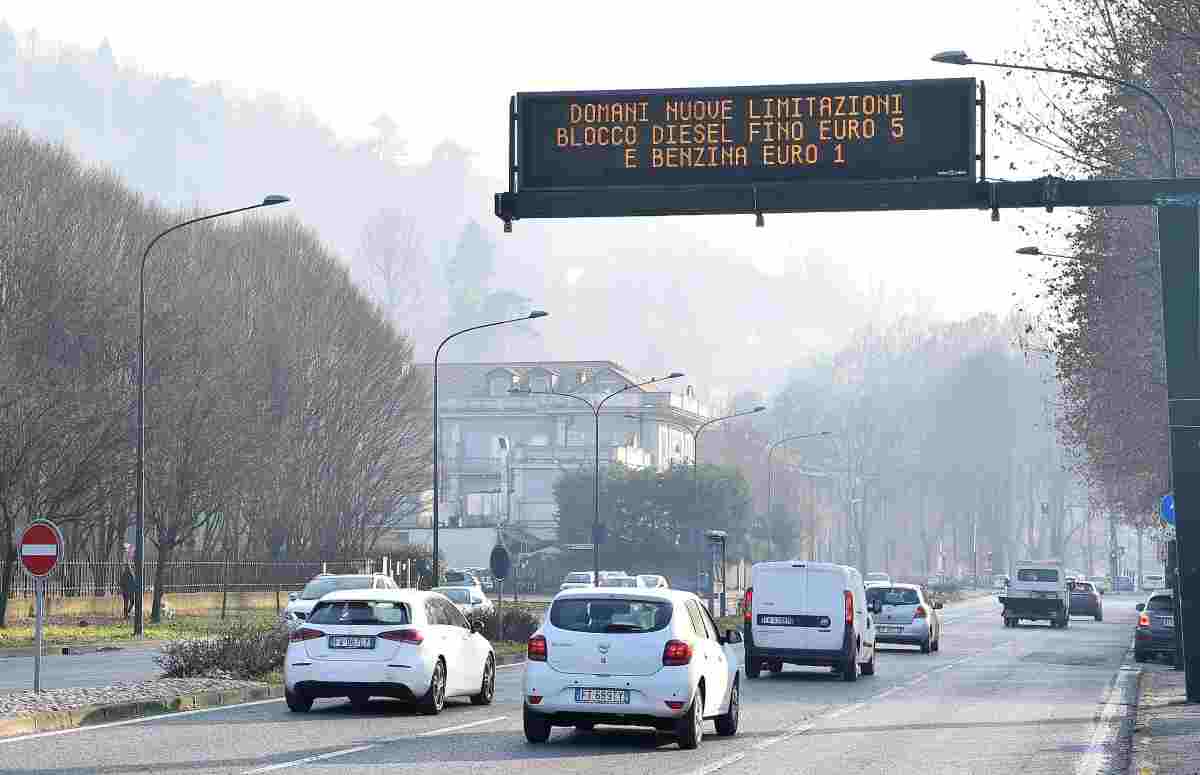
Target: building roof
<point>470,379</point>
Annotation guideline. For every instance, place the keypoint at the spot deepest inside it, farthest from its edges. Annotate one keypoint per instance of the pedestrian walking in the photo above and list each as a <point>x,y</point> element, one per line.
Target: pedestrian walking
<point>128,586</point>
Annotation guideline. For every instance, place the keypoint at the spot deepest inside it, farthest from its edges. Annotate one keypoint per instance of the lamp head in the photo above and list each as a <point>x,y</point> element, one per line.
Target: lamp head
<point>674,375</point>
<point>954,57</point>
<point>537,313</point>
<point>275,199</point>
<point>759,409</point>
<point>1029,250</point>
<point>517,391</point>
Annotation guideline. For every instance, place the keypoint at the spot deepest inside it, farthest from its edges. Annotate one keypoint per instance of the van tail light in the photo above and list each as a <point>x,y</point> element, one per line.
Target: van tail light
<point>676,653</point>
<point>536,651</point>
<point>920,613</point>
<point>849,597</point>
<point>415,637</point>
<point>303,634</point>
<point>1144,620</point>
<point>748,603</point>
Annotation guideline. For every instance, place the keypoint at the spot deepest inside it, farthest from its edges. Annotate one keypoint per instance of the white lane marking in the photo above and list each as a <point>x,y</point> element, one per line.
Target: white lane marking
<point>847,709</point>
<point>513,664</point>
<point>718,764</point>
<point>307,759</point>
<point>141,720</point>
<point>445,730</point>
<point>765,744</point>
<point>1105,730</point>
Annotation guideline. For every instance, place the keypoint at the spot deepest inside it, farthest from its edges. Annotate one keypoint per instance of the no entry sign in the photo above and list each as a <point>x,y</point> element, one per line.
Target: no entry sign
<point>41,546</point>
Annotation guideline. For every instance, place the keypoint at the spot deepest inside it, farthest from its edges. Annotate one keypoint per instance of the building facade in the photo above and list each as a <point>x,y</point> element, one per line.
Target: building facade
<point>502,452</point>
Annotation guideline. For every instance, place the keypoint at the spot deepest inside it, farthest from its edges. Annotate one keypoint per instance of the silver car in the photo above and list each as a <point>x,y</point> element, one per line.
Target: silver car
<point>907,617</point>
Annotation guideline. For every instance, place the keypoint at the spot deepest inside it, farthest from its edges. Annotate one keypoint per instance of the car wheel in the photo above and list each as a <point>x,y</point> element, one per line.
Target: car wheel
<point>776,667</point>
<point>1066,622</point>
<point>926,646</point>
<point>850,668</point>
<point>298,703</point>
<point>753,668</point>
<point>537,729</point>
<point>487,690</point>
<point>435,699</point>
<point>727,723</point>
<point>1100,616</point>
<point>691,726</point>
<point>868,667</point>
<point>360,702</point>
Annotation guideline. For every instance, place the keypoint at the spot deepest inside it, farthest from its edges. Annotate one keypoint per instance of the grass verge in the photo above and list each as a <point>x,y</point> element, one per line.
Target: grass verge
<point>21,635</point>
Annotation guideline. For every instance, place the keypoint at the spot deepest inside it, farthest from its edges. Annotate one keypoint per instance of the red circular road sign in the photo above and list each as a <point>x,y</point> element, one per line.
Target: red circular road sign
<point>41,546</point>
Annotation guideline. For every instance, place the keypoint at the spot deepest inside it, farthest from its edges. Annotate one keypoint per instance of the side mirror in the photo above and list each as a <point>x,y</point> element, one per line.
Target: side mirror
<point>937,606</point>
<point>292,596</point>
<point>477,626</point>
<point>1140,607</point>
<point>733,636</point>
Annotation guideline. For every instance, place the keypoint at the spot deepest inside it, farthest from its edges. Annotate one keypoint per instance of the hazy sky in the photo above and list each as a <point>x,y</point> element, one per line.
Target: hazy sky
<point>446,70</point>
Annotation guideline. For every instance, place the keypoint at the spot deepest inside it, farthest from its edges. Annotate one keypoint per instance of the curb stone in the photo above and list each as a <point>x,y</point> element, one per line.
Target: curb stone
<point>74,649</point>
<point>49,721</point>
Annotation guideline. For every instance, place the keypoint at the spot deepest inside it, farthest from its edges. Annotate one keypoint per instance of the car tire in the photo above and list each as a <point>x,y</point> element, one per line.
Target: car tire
<point>690,728</point>
<point>850,668</point>
<point>435,699</point>
<point>776,667</point>
<point>1100,616</point>
<point>1066,622</point>
<point>753,668</point>
<point>868,667</point>
<point>937,644</point>
<point>297,702</point>
<point>537,729</point>
<point>727,722</point>
<point>926,646</point>
<point>487,688</point>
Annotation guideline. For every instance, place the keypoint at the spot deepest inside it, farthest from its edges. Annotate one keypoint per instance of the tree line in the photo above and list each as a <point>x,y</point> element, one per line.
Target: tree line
<point>283,417</point>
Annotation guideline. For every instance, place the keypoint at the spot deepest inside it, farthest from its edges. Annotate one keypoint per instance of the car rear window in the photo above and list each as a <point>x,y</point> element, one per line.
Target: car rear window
<point>895,595</point>
<point>1084,586</point>
<point>1043,575</point>
<point>1161,604</point>
<point>580,614</point>
<point>319,587</point>
<point>360,612</point>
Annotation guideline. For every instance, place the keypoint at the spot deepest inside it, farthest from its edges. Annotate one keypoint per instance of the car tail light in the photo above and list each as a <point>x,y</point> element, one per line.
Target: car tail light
<point>536,651</point>
<point>674,704</point>
<point>303,634</point>
<point>676,653</point>
<point>849,598</point>
<point>920,613</point>
<point>415,637</point>
<point>1144,620</point>
<point>748,604</point>
<point>535,699</point>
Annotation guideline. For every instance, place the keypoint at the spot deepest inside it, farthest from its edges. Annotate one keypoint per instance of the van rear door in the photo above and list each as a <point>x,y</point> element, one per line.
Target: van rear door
<point>826,598</point>
<point>780,606</point>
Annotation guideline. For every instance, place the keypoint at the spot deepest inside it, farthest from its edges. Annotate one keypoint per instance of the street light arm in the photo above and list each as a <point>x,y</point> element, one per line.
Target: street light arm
<point>707,423</point>
<point>532,316</point>
<point>633,385</point>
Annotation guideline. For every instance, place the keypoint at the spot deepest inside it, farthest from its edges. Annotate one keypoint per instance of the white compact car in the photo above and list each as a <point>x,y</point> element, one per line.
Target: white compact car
<point>633,657</point>
<point>578,580</point>
<point>301,604</point>
<point>907,617</point>
<point>403,643</point>
<point>469,600</point>
<point>809,613</point>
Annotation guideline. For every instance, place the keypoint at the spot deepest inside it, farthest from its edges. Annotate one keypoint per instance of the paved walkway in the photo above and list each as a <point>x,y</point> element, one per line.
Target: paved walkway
<point>1167,739</point>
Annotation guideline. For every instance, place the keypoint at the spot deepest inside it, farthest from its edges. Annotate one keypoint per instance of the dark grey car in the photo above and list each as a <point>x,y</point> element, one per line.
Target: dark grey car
<point>1156,632</point>
<point>1085,600</point>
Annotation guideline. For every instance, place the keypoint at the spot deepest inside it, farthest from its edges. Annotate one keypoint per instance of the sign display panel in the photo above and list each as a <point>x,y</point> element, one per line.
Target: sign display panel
<point>881,131</point>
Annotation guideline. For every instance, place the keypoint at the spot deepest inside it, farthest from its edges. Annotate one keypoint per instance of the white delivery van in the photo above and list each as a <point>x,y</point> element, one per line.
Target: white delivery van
<point>808,613</point>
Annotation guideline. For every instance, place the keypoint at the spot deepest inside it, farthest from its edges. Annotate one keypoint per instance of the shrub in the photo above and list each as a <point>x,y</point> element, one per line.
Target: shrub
<point>241,649</point>
<point>519,623</point>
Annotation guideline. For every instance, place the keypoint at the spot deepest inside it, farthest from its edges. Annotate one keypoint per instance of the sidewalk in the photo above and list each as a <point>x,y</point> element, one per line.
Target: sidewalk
<point>1166,739</point>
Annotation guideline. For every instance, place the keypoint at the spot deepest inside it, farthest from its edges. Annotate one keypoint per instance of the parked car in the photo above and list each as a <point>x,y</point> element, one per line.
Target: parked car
<point>619,581</point>
<point>652,581</point>
<point>578,580</point>
<point>877,577</point>
<point>402,643</point>
<point>1085,600</point>
<point>1153,581</point>
<point>301,603</point>
<point>1156,633</point>
<point>808,613</point>
<point>607,575</point>
<point>634,658</point>
<point>469,600</point>
<point>907,617</point>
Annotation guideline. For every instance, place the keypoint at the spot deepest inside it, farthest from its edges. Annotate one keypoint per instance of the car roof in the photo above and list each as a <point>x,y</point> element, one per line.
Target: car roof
<point>633,593</point>
<point>399,595</point>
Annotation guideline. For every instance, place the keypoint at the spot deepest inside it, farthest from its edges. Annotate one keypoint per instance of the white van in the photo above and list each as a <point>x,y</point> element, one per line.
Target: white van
<point>808,613</point>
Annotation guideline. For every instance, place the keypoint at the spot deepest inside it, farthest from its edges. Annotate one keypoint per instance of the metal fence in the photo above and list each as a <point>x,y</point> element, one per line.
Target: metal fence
<point>103,578</point>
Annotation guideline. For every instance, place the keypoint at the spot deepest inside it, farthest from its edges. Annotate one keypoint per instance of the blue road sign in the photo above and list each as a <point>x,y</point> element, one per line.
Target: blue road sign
<point>1168,509</point>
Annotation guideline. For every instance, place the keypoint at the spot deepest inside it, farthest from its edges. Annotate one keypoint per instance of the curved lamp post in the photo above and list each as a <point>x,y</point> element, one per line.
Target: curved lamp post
<point>537,313</point>
<point>139,544</point>
<point>770,483</point>
<point>595,407</point>
<point>960,58</point>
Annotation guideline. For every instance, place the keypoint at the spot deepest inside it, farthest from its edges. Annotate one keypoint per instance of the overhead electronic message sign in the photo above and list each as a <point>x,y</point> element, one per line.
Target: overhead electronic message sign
<point>883,131</point>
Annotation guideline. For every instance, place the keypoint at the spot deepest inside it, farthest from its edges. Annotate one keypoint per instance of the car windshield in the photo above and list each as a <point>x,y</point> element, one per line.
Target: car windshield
<point>610,616</point>
<point>320,587</point>
<point>1044,575</point>
<point>456,595</point>
<point>1160,604</point>
<point>359,612</point>
<point>1083,586</point>
<point>577,578</point>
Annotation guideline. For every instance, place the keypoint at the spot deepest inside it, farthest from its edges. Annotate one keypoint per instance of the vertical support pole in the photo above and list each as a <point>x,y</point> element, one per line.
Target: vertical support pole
<point>500,611</point>
<point>39,604</point>
<point>1179,250</point>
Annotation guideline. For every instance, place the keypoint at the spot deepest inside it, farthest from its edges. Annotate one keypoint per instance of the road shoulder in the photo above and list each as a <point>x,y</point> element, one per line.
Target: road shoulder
<point>1167,736</point>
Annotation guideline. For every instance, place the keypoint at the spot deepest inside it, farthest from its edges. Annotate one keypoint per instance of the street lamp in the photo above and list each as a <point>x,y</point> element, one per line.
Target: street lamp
<point>961,58</point>
<point>596,407</point>
<point>140,524</point>
<point>537,313</point>
<point>770,483</point>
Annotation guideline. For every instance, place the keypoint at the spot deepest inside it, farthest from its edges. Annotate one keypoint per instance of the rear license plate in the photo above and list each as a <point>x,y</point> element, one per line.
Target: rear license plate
<point>602,696</point>
<point>784,621</point>
<point>1166,621</point>
<point>890,628</point>
<point>351,641</point>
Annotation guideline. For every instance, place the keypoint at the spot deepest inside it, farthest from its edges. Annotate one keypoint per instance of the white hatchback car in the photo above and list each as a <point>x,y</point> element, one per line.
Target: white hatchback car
<point>634,657</point>
<point>403,643</point>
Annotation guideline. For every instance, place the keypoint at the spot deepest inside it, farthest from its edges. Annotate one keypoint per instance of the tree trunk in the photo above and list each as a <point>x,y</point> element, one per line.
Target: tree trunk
<point>7,569</point>
<point>165,549</point>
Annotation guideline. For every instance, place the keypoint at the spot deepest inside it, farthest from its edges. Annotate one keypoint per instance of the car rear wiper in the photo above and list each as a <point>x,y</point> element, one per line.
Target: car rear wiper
<point>621,627</point>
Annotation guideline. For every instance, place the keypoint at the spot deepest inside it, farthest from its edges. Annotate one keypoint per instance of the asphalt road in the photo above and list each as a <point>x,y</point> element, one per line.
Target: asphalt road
<point>994,700</point>
<point>102,668</point>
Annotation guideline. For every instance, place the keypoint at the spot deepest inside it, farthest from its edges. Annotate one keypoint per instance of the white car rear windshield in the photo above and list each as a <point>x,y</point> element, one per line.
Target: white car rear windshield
<point>579,614</point>
<point>894,595</point>
<point>320,587</point>
<point>359,612</point>
<point>1043,575</point>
